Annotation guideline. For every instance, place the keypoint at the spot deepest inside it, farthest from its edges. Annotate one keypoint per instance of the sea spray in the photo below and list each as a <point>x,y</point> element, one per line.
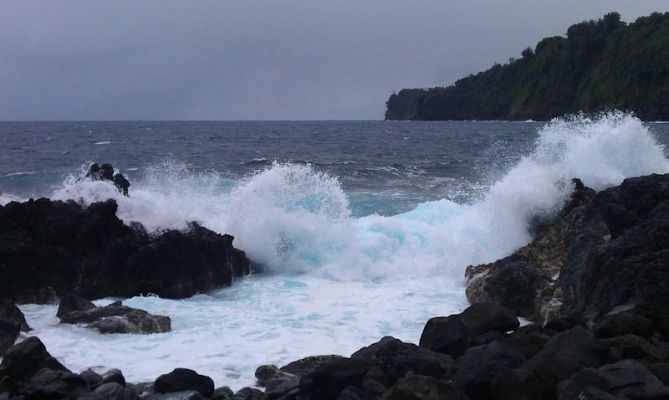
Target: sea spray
<point>292,217</point>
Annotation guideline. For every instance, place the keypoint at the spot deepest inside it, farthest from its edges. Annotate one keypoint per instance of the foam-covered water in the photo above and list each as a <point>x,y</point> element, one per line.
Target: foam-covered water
<point>336,280</point>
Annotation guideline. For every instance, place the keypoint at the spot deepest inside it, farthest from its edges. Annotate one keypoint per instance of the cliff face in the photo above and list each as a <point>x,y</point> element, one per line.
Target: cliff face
<point>600,65</point>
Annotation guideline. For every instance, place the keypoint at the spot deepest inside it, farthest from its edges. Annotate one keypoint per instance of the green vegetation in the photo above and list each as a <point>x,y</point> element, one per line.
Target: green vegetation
<point>600,65</point>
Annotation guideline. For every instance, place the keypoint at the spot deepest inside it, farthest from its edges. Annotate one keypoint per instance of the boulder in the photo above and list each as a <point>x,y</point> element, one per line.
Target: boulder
<point>307,365</point>
<point>48,383</point>
<point>634,347</point>
<point>185,395</point>
<point>24,359</point>
<point>480,365</point>
<point>416,387</point>
<point>117,318</point>
<point>105,172</point>
<point>564,322</point>
<point>563,355</point>
<point>570,351</point>
<point>529,340</point>
<point>482,318</point>
<point>626,379</point>
<point>282,386</point>
<point>91,377</point>
<point>328,380</point>
<point>222,393</point>
<point>486,338</point>
<point>525,383</point>
<point>447,335</point>
<point>396,359</point>
<point>267,373</point>
<point>182,379</point>
<point>249,394</point>
<point>623,323</point>
<point>9,332</point>
<point>113,375</point>
<point>9,312</point>
<point>115,391</point>
<point>71,302</point>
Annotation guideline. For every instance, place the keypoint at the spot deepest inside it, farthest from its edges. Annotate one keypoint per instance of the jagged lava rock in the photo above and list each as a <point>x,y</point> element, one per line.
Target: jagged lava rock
<point>9,312</point>
<point>62,247</point>
<point>397,358</point>
<point>113,318</point>
<point>416,387</point>
<point>27,357</point>
<point>105,172</point>
<point>183,379</point>
<point>603,250</point>
<point>479,323</point>
<point>627,379</point>
<point>447,335</point>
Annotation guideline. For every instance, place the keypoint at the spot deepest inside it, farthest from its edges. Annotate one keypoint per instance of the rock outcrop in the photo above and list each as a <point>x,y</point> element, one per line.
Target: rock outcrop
<point>12,323</point>
<point>105,172</point>
<point>603,253</point>
<point>51,248</point>
<point>113,318</point>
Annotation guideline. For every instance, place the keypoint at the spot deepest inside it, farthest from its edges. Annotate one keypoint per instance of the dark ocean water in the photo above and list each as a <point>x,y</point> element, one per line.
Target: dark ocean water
<point>404,162</point>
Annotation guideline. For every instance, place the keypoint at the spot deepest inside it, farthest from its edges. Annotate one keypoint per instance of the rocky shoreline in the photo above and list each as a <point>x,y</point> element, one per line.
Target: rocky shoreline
<point>594,282</point>
<point>53,248</point>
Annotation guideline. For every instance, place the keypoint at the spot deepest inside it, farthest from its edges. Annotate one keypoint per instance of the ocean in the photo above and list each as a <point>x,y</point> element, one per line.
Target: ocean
<point>364,228</point>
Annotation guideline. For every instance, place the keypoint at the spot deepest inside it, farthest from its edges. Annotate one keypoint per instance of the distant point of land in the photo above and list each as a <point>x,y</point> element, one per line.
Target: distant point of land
<point>600,65</point>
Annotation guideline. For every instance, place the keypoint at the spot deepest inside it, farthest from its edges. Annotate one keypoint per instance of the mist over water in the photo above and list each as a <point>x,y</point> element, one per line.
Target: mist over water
<point>349,259</point>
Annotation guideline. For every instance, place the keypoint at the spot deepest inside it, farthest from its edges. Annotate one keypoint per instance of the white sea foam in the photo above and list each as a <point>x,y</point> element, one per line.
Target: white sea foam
<point>336,282</point>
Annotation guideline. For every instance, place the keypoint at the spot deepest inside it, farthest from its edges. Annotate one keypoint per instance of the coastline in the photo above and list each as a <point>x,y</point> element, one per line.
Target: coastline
<point>456,352</point>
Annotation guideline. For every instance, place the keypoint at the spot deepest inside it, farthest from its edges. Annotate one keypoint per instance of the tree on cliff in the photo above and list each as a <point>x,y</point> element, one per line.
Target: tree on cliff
<point>599,65</point>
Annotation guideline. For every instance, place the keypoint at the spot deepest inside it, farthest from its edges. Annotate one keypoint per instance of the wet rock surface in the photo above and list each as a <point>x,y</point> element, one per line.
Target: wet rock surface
<point>113,318</point>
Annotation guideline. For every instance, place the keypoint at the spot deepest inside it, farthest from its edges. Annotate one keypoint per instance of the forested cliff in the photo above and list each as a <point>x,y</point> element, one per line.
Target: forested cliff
<point>599,65</point>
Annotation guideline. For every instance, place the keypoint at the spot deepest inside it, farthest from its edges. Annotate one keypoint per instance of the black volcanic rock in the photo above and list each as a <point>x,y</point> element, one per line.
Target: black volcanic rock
<point>61,247</point>
<point>24,359</point>
<point>9,332</point>
<point>9,312</point>
<point>563,355</point>
<point>480,365</point>
<point>626,379</point>
<point>481,318</point>
<point>479,324</point>
<point>601,252</point>
<point>113,318</point>
<point>329,380</point>
<point>105,172</point>
<point>305,366</point>
<point>397,359</point>
<point>447,335</point>
<point>71,303</point>
<point>416,387</point>
<point>624,323</point>
<point>183,379</point>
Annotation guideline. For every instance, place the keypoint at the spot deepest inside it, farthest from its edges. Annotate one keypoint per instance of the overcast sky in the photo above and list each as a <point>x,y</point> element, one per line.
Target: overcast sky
<point>259,59</point>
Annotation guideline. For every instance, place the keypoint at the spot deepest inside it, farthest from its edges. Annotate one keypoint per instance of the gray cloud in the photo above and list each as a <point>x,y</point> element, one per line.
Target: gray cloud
<point>259,59</point>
